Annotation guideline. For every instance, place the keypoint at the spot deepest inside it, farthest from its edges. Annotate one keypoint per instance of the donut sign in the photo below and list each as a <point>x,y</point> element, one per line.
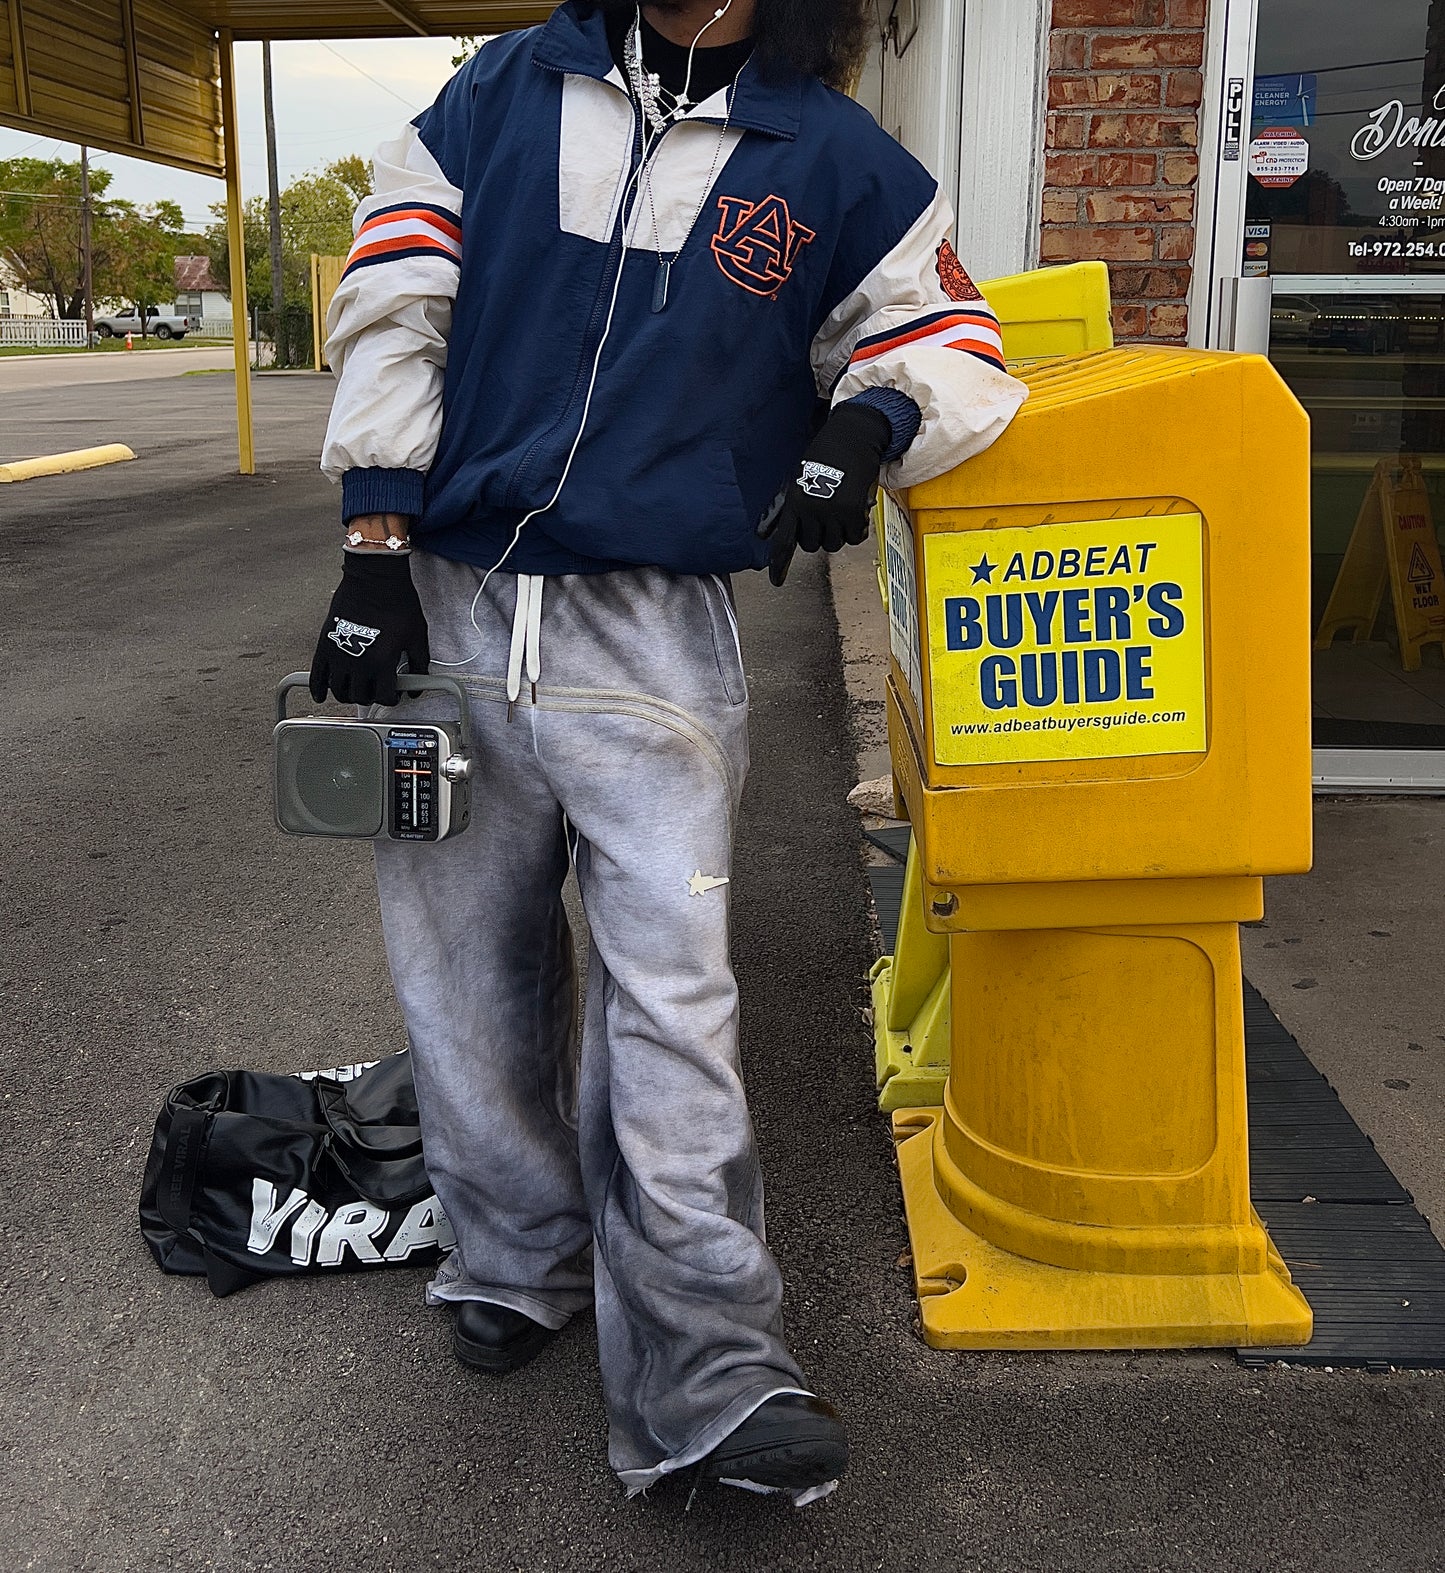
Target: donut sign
<point>1278,156</point>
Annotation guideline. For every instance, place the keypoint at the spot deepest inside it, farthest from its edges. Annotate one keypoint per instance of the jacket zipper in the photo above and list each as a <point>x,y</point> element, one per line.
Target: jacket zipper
<point>617,243</point>
<point>616,247</point>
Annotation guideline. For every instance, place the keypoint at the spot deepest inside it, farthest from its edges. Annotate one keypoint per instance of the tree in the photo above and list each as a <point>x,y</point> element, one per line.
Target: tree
<point>141,264</point>
<point>40,227</point>
<point>316,212</point>
<point>133,249</point>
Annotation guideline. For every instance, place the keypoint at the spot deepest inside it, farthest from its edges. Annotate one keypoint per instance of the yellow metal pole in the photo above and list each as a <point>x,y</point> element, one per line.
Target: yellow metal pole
<point>316,310</point>
<point>236,228</point>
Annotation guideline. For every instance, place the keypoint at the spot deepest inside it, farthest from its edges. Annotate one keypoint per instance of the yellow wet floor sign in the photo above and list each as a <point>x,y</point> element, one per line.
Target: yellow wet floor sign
<point>1393,542</point>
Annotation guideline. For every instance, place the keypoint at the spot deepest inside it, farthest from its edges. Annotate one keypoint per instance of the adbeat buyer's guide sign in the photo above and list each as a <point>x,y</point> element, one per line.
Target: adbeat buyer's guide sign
<point>1067,641</point>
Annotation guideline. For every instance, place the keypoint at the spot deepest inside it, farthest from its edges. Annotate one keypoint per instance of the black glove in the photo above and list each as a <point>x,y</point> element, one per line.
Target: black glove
<point>375,622</point>
<point>828,504</point>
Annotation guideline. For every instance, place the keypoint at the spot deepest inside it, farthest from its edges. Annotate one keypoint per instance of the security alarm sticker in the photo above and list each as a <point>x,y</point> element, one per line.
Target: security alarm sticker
<point>1278,156</point>
<point>1067,641</point>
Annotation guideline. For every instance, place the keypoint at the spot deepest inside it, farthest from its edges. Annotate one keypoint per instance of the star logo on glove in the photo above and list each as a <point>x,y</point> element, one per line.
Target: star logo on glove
<point>352,638</point>
<point>819,480</point>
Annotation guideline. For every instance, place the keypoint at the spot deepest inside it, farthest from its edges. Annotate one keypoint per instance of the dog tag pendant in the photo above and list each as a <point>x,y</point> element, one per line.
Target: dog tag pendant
<point>659,288</point>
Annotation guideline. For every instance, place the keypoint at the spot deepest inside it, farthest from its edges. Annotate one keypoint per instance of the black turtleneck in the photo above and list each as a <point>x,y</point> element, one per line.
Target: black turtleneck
<point>713,66</point>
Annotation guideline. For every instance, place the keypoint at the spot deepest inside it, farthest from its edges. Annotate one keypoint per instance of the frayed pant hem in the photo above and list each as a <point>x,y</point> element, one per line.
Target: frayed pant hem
<point>638,1482</point>
<point>540,1311</point>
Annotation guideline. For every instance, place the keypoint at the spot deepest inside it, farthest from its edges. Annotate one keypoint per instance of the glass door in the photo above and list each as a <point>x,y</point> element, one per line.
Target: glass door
<point>1344,215</point>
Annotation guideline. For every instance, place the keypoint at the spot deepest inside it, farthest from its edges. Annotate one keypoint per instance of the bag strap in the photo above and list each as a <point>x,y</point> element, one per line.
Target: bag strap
<point>185,1143</point>
<point>383,1163</point>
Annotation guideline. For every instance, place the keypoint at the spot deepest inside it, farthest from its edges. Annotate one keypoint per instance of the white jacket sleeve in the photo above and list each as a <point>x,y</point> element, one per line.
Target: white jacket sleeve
<point>917,324</point>
<point>387,331</point>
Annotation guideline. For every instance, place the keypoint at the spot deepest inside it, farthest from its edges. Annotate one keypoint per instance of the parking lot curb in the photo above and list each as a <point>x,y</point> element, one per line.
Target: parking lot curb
<point>64,463</point>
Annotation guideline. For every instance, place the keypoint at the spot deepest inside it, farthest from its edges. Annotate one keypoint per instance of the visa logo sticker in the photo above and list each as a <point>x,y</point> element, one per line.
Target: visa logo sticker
<point>1067,641</point>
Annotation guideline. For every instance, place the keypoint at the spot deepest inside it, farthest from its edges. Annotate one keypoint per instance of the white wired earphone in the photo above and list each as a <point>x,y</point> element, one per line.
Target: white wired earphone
<point>650,144</point>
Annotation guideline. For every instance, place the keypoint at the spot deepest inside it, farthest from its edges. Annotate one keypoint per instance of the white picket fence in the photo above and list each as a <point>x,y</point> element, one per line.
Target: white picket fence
<point>40,332</point>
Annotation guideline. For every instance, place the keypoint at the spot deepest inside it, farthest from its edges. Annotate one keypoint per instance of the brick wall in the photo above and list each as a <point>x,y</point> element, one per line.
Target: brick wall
<point>1121,166</point>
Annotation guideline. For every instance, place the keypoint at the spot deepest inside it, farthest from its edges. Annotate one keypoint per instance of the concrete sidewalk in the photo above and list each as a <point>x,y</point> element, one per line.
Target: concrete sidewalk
<point>159,926</point>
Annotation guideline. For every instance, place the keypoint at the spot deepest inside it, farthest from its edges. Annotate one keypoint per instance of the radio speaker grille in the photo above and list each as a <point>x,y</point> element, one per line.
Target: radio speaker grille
<point>329,781</point>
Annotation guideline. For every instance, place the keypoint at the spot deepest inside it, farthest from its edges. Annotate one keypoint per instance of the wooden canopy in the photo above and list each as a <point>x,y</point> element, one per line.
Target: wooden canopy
<point>143,76</point>
<point>156,79</point>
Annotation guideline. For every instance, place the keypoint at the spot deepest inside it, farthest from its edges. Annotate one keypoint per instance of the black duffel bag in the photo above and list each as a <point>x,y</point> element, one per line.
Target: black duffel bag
<point>254,1176</point>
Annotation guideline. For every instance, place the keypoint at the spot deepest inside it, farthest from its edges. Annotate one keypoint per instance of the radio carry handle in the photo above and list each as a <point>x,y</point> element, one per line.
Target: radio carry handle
<point>406,681</point>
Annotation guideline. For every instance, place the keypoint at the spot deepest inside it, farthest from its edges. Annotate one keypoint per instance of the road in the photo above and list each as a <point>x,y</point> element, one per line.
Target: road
<point>159,926</point>
<point>27,373</point>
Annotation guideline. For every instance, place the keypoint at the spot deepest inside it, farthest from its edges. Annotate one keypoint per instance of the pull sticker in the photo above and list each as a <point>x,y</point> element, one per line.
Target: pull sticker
<point>1067,641</point>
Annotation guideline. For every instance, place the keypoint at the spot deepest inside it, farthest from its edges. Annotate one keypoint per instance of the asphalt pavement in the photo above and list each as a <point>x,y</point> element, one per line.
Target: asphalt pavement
<point>157,926</point>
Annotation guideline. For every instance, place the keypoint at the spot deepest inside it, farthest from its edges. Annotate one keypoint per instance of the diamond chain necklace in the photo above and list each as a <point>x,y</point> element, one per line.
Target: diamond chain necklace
<point>647,89</point>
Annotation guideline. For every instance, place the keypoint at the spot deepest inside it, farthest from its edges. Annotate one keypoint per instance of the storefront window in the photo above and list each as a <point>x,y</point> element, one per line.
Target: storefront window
<point>1347,136</point>
<point>1346,213</point>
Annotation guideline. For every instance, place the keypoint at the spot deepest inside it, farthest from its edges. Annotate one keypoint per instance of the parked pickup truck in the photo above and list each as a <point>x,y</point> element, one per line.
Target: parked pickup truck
<point>156,325</point>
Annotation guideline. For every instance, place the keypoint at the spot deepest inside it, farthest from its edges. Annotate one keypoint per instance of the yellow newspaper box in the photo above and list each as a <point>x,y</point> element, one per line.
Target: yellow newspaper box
<point>1099,719</point>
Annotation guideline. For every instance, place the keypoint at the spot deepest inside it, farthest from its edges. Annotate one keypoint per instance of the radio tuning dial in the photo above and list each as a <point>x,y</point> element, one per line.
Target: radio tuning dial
<point>457,768</point>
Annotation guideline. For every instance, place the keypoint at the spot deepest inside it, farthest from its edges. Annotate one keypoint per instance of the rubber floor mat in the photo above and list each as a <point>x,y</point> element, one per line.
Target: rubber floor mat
<point>1334,732</point>
<point>892,839</point>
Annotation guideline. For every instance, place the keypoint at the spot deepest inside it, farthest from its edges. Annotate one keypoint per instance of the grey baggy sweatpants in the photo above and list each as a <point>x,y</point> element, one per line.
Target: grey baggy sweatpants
<point>635,1186</point>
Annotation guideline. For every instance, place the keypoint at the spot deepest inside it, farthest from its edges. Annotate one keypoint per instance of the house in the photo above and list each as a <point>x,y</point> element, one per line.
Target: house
<point>197,293</point>
<point>17,302</point>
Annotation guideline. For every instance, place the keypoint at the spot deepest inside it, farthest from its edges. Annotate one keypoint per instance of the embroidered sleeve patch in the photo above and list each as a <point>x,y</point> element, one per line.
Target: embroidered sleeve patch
<point>951,275</point>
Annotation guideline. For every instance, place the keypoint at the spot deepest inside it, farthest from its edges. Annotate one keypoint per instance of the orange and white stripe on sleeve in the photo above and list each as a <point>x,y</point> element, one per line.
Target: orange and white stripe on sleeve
<point>388,326</point>
<point>975,331</point>
<point>406,229</point>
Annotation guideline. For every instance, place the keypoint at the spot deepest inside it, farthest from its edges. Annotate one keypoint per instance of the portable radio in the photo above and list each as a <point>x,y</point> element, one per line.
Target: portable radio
<point>382,780</point>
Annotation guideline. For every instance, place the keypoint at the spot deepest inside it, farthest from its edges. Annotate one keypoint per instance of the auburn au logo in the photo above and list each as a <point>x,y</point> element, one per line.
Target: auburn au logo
<point>757,243</point>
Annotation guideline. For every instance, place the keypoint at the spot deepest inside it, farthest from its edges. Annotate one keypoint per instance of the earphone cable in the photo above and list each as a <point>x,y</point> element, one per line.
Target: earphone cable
<point>628,221</point>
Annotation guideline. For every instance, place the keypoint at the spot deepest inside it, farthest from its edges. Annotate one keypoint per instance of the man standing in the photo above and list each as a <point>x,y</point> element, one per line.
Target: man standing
<point>640,302</point>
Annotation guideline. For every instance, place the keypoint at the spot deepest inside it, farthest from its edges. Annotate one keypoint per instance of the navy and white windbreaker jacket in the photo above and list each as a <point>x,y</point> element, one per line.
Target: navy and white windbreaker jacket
<point>467,322</point>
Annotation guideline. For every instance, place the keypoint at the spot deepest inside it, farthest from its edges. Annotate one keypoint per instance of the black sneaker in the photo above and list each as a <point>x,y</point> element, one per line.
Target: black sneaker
<point>790,1443</point>
<point>495,1338</point>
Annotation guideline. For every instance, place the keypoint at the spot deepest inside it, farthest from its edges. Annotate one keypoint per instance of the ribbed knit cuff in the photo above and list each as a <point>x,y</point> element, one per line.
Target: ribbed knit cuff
<point>903,414</point>
<point>381,491</point>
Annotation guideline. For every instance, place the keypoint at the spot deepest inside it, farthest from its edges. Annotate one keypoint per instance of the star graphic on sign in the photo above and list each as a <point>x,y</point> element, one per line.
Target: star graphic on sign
<point>983,570</point>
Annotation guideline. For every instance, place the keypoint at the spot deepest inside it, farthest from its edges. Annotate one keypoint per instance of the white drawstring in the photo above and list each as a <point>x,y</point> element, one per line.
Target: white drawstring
<point>534,634</point>
<point>526,636</point>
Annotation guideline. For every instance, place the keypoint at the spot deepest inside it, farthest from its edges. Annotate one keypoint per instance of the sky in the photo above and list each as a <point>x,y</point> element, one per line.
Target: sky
<point>331,100</point>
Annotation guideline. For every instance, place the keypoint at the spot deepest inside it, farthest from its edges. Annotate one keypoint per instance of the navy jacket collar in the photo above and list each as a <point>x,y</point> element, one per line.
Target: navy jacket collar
<point>574,39</point>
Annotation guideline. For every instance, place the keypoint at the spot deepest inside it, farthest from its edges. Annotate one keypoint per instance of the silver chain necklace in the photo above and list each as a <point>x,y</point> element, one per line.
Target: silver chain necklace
<point>647,88</point>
